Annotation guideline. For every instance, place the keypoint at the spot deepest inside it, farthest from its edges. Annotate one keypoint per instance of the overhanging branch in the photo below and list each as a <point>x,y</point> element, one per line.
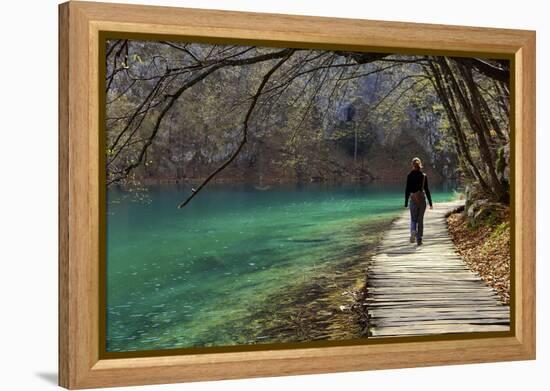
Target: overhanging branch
<point>256,96</point>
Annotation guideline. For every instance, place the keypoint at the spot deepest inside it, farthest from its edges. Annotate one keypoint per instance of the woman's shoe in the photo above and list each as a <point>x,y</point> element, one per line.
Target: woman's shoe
<point>419,242</point>
<point>413,236</point>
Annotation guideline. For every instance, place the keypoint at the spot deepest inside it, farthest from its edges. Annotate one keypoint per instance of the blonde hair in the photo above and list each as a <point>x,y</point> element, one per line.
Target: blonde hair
<point>416,161</point>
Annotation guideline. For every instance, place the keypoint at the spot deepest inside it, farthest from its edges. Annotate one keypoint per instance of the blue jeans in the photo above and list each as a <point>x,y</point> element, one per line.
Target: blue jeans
<point>417,217</point>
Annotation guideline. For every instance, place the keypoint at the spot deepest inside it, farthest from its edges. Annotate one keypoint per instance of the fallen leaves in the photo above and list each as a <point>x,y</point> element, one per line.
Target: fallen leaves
<point>485,249</point>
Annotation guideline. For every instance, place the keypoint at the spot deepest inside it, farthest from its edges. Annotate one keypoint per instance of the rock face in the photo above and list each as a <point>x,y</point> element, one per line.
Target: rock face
<point>264,162</point>
<point>478,209</point>
<point>392,161</point>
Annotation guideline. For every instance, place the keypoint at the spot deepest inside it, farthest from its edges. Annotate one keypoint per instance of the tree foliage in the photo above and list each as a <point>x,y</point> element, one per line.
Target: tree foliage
<point>196,112</point>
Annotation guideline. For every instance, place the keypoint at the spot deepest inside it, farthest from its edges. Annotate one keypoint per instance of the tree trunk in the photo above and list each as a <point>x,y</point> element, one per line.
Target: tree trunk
<point>460,140</point>
<point>498,188</point>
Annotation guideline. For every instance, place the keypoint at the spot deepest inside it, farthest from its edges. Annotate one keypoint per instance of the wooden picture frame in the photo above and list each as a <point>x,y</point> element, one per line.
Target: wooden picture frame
<point>80,217</point>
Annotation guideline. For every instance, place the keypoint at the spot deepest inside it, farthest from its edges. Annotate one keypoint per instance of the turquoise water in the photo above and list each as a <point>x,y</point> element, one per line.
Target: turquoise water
<point>195,277</point>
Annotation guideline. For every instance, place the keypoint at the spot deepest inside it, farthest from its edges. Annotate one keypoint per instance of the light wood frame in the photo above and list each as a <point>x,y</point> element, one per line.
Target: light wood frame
<point>80,23</point>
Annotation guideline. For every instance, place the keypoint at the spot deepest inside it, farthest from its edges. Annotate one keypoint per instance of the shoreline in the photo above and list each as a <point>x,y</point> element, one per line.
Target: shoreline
<point>325,307</point>
<point>267,183</point>
<point>338,311</point>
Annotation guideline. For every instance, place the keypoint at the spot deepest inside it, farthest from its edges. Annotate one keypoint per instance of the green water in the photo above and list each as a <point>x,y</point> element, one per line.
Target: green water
<point>195,277</point>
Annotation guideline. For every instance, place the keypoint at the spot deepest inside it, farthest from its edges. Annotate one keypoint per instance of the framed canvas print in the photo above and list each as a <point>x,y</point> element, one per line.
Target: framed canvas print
<point>248,195</point>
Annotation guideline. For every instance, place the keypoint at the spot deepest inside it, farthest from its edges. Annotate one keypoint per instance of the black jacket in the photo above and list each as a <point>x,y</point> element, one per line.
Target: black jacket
<point>414,184</point>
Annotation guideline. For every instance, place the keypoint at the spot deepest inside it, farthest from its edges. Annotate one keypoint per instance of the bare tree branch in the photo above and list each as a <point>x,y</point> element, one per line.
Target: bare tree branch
<point>265,79</point>
<point>172,98</point>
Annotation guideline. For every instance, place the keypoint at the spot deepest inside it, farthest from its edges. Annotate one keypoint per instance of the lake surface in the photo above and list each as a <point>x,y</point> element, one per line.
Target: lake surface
<point>197,276</point>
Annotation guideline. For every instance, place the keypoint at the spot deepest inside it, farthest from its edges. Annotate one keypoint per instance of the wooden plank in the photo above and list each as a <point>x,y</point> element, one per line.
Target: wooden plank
<point>413,275</point>
<point>479,316</point>
<point>422,289</point>
<point>428,289</point>
<point>450,304</point>
<point>423,283</point>
<point>427,296</point>
<point>420,321</point>
<point>377,298</point>
<point>435,329</point>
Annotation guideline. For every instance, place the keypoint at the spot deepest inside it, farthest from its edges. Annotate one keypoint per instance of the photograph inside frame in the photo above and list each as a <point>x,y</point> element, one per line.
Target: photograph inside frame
<point>261,195</point>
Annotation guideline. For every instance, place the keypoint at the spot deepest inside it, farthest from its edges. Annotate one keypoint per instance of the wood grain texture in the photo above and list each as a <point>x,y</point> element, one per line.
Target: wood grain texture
<point>63,221</point>
<point>525,193</point>
<point>79,189</point>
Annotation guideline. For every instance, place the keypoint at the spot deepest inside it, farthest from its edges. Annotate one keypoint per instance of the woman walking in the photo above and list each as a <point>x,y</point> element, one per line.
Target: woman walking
<point>416,192</point>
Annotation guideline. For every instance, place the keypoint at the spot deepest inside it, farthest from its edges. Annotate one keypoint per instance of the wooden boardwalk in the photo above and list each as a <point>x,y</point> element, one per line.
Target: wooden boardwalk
<point>428,289</point>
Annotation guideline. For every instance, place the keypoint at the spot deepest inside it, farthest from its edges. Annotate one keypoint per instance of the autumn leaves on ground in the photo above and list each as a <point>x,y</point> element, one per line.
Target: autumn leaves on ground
<point>484,244</point>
